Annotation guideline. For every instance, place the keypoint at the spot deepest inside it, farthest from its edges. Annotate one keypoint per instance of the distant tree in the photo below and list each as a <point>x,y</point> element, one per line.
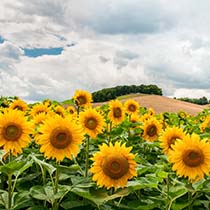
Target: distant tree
<point>107,94</point>
<point>200,101</point>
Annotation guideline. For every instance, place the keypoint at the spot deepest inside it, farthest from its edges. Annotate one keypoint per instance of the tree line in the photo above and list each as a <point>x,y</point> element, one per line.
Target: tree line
<point>107,94</point>
<point>201,101</point>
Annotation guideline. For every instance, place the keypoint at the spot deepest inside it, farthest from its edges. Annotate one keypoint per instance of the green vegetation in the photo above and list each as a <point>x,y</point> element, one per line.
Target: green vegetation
<point>107,94</point>
<point>128,96</point>
<point>200,101</point>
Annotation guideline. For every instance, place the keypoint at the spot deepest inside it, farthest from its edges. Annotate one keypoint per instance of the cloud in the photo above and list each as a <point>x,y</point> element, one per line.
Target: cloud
<point>105,43</point>
<point>9,54</point>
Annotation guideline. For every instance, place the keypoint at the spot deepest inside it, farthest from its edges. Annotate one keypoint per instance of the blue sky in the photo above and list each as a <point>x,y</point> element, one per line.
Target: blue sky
<point>1,39</point>
<point>49,49</point>
<point>35,52</point>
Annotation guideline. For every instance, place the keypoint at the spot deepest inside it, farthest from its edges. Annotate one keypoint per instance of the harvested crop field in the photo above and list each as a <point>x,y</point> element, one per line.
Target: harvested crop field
<point>165,104</point>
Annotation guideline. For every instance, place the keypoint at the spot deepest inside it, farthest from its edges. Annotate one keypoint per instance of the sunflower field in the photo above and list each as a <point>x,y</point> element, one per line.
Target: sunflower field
<point>115,156</point>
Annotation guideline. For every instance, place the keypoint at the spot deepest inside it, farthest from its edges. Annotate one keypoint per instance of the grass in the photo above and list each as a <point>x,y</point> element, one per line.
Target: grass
<point>128,96</point>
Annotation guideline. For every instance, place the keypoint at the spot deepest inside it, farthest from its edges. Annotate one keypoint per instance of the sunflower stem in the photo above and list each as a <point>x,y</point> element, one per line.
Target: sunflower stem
<point>9,191</point>
<point>87,156</point>
<point>78,109</point>
<point>168,189</point>
<point>55,203</point>
<point>10,184</point>
<point>10,156</point>
<point>190,199</point>
<point>109,128</point>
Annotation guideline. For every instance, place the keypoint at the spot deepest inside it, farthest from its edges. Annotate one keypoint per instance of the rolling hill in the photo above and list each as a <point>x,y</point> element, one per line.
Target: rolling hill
<point>165,104</point>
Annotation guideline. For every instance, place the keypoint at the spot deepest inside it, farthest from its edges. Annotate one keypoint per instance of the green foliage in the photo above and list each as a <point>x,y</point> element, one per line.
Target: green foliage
<point>112,93</point>
<point>200,101</point>
<point>32,182</point>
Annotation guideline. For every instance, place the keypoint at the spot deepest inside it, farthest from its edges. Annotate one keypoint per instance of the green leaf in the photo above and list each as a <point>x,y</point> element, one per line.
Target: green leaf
<point>47,193</point>
<point>2,154</point>
<point>51,169</point>
<point>4,198</point>
<point>99,196</point>
<point>38,192</point>
<point>12,167</point>
<point>179,205</point>
<point>162,174</point>
<point>147,204</point>
<point>176,192</point>
<point>70,204</point>
<point>72,169</point>
<point>150,181</point>
<point>38,208</point>
<point>22,200</point>
<point>27,165</point>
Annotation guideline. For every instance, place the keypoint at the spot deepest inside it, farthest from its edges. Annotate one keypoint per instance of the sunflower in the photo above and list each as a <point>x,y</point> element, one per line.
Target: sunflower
<point>131,106</point>
<point>113,165</point>
<point>92,122</point>
<point>205,125</point>
<point>59,138</point>
<point>182,115</point>
<point>152,128</point>
<point>14,131</point>
<point>145,117</point>
<point>59,110</point>
<point>169,136</point>
<point>134,118</point>
<point>19,105</point>
<point>82,98</point>
<point>40,118</point>
<point>47,102</point>
<point>39,108</point>
<point>151,111</point>
<point>71,109</point>
<point>190,157</point>
<point>116,112</point>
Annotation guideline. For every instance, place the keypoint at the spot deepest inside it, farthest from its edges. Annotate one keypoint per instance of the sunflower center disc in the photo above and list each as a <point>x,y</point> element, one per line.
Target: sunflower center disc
<point>132,108</point>
<point>115,166</point>
<point>117,112</point>
<point>12,132</point>
<point>152,130</point>
<point>193,158</point>
<point>172,140</point>
<point>91,124</point>
<point>81,100</point>
<point>18,108</point>
<point>60,138</point>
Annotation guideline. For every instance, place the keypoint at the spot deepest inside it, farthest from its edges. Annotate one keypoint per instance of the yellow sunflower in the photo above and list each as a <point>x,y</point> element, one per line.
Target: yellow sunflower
<point>152,128</point>
<point>82,98</point>
<point>71,109</point>
<point>151,111</point>
<point>59,138</point>
<point>131,106</point>
<point>39,108</point>
<point>92,122</point>
<point>116,112</point>
<point>113,165</point>
<point>134,118</point>
<point>59,110</point>
<point>40,118</point>
<point>205,125</point>
<point>19,105</point>
<point>169,136</point>
<point>145,117</point>
<point>182,114</point>
<point>14,131</point>
<point>190,157</point>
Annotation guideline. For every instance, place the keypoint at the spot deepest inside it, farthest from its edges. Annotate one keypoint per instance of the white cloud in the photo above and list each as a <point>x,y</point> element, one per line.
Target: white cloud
<point>117,43</point>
